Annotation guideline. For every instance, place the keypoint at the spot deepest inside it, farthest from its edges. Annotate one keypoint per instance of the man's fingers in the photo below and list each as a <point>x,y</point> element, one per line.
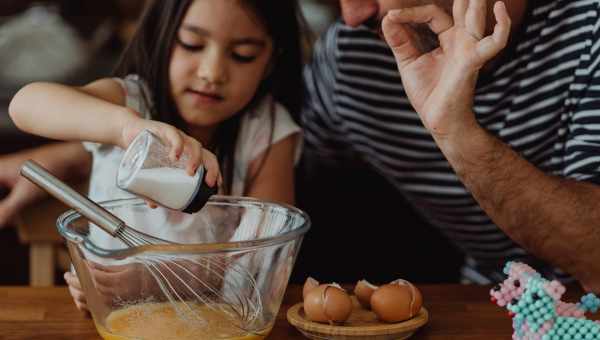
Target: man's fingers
<point>7,213</point>
<point>10,166</point>
<point>6,181</point>
<point>491,45</point>
<point>435,17</point>
<point>22,194</point>
<point>400,39</point>
<point>475,18</point>
<point>459,12</point>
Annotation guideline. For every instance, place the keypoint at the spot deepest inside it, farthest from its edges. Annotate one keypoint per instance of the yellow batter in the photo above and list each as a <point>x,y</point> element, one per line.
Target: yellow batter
<point>159,321</point>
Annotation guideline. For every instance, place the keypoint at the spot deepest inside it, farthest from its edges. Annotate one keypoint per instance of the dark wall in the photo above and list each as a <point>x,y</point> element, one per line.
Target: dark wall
<point>363,228</point>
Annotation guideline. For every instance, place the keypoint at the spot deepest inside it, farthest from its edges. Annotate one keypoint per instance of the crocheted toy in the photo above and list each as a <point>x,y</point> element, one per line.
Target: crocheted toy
<point>534,305</point>
<point>514,285</point>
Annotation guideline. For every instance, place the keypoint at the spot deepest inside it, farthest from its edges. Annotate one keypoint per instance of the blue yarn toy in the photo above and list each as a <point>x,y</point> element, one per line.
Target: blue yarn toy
<point>539,314</point>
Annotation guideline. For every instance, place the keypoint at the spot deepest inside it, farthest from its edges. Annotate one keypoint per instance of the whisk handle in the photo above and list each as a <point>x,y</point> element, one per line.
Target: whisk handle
<point>64,193</point>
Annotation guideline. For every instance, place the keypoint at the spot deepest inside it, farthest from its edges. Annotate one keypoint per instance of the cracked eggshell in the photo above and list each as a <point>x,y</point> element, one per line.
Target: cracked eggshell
<point>328,303</point>
<point>396,301</point>
<point>363,291</point>
<point>308,286</point>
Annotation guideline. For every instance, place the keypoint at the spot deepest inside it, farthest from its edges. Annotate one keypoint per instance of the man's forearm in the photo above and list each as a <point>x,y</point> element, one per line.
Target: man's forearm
<point>554,218</point>
<point>66,160</point>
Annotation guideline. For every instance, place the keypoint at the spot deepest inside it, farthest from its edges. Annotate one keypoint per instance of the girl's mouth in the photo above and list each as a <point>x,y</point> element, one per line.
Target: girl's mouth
<point>202,97</point>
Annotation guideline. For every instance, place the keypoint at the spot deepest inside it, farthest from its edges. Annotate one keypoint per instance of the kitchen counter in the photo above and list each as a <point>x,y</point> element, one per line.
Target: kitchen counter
<point>456,312</point>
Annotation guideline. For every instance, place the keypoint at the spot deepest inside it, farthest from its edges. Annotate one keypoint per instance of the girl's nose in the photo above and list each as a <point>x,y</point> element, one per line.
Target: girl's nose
<point>213,68</point>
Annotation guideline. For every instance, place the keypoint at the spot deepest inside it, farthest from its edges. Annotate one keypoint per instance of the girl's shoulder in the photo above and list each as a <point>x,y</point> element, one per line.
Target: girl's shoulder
<point>137,94</point>
<point>268,119</point>
<point>269,123</point>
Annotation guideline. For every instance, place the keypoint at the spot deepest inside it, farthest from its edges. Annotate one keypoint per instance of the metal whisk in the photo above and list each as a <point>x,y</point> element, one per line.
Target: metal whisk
<point>236,297</point>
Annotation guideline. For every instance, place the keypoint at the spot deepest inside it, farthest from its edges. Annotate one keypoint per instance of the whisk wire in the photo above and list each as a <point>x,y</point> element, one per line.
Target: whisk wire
<point>191,315</point>
<point>247,312</point>
<point>228,298</point>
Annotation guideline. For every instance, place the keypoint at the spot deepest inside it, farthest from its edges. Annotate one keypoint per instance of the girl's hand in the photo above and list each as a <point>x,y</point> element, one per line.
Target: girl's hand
<point>122,282</point>
<point>143,280</point>
<point>76,291</point>
<point>109,283</point>
<point>180,143</point>
<point>441,84</point>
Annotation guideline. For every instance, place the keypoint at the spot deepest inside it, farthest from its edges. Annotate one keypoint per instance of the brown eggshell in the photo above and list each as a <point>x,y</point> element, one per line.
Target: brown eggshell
<point>327,303</point>
<point>309,285</point>
<point>397,301</point>
<point>363,291</point>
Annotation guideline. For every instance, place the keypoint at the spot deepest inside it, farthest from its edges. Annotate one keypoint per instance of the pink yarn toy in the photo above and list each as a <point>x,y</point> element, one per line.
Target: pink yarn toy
<point>514,285</point>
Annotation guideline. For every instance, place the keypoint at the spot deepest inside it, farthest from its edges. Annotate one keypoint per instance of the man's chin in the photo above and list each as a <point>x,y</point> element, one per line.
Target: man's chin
<point>356,12</point>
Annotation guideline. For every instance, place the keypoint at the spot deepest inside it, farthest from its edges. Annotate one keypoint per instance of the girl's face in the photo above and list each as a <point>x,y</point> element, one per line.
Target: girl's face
<point>220,57</point>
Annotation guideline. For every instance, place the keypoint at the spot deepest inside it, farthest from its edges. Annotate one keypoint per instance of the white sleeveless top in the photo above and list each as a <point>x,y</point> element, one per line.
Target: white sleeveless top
<point>253,140</point>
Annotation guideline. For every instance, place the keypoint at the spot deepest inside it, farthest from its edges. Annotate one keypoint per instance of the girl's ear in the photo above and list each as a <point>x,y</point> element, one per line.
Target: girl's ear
<point>271,65</point>
<point>268,70</point>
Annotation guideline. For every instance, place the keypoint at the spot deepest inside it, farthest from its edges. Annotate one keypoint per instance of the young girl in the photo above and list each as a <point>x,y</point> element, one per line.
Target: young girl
<point>216,80</point>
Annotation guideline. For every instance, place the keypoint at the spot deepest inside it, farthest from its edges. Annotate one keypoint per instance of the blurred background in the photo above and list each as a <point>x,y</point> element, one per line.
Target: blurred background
<point>362,228</point>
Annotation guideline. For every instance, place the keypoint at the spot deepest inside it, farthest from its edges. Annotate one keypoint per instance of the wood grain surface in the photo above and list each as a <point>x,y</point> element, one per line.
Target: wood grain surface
<point>455,312</point>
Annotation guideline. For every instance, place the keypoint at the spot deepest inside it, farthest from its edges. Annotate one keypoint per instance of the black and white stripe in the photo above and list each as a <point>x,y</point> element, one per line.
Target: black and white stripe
<point>544,101</point>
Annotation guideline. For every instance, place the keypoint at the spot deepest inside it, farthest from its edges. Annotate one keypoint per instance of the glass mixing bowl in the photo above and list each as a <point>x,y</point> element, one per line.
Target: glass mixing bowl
<point>218,274</point>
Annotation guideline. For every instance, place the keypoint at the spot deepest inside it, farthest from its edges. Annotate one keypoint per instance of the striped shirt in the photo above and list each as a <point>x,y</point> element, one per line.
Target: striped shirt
<point>543,100</point>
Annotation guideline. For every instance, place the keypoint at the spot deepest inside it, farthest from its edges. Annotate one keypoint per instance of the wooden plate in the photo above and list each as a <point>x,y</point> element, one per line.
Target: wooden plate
<point>362,324</point>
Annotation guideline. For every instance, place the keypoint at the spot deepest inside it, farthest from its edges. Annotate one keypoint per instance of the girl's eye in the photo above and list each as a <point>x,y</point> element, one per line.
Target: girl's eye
<point>242,58</point>
<point>191,47</point>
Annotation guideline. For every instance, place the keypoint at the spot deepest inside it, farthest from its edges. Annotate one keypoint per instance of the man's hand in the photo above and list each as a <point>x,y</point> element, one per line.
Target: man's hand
<point>553,218</point>
<point>21,191</point>
<point>68,161</point>
<point>440,84</point>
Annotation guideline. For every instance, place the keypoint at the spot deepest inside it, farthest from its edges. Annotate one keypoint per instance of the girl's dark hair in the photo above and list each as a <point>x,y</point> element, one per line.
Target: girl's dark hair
<point>149,52</point>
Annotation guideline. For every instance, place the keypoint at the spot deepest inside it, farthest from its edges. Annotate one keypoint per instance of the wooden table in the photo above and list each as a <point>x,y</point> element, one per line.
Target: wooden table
<point>36,226</point>
<point>456,312</point>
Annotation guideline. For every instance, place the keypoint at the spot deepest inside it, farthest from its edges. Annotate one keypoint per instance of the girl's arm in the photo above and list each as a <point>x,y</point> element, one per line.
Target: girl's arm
<point>94,112</point>
<point>275,180</point>
<point>97,113</point>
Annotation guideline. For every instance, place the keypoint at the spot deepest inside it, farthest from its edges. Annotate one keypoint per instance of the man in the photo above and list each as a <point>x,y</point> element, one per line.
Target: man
<point>499,150</point>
